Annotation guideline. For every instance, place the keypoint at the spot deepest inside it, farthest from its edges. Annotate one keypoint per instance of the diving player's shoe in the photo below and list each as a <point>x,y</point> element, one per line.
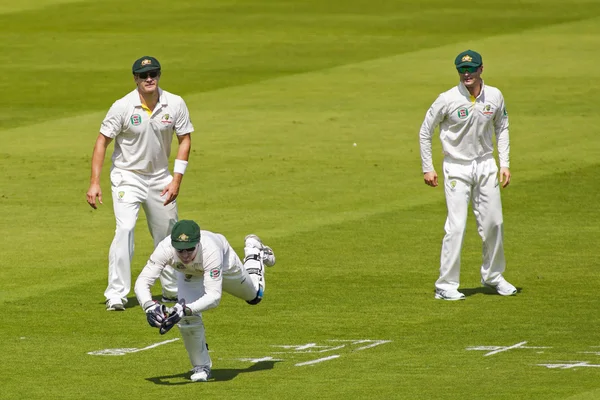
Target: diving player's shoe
<point>266,253</point>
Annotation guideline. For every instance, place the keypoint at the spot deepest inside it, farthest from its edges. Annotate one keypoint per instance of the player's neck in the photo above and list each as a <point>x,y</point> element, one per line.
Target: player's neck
<point>475,90</point>
<point>149,100</point>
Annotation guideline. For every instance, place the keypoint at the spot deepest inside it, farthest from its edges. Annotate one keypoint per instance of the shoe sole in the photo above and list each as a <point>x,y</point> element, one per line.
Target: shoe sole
<point>440,297</point>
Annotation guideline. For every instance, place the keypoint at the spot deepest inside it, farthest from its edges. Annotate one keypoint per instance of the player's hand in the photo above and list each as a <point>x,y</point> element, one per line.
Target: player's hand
<point>504,176</point>
<point>431,178</point>
<point>175,313</point>
<point>156,314</point>
<point>171,192</point>
<point>93,192</point>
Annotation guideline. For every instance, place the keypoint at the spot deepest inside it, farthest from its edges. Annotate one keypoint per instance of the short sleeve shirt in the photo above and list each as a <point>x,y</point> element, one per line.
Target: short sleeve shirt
<point>142,139</point>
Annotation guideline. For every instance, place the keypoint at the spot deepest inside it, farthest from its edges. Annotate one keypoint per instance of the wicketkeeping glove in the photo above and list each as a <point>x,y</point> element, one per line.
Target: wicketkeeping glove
<point>175,314</point>
<point>156,314</point>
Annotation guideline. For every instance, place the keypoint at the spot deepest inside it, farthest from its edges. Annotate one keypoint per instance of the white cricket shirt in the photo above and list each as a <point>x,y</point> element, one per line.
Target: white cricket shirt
<point>466,126</point>
<point>214,259</point>
<point>143,140</point>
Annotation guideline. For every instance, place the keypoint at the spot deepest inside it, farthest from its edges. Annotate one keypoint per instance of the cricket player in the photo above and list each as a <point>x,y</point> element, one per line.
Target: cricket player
<point>206,265</point>
<point>468,116</point>
<point>142,125</point>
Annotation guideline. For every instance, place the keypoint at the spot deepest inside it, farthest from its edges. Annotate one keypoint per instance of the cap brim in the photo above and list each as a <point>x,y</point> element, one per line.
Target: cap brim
<point>146,69</point>
<point>468,64</point>
<point>184,245</point>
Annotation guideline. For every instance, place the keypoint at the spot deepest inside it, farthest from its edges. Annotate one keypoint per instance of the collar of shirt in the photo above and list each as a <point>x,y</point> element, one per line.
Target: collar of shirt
<point>135,98</point>
<point>464,91</point>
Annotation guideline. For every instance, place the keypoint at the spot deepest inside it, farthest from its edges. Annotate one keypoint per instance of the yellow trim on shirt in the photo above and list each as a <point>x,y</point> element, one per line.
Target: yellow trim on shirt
<point>148,111</point>
<point>473,98</point>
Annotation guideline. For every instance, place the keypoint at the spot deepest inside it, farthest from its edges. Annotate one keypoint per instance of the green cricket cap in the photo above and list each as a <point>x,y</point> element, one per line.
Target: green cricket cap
<point>185,234</point>
<point>145,64</point>
<point>468,58</point>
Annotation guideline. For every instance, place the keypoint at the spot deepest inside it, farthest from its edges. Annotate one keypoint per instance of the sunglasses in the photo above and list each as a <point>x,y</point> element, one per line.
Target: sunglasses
<point>470,70</point>
<point>151,74</point>
<point>190,250</point>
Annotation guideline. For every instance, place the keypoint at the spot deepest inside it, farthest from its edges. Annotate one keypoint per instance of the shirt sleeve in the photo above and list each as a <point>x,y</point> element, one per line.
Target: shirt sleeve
<point>183,124</point>
<point>113,123</point>
<point>213,283</point>
<point>159,259</point>
<point>502,136</point>
<point>433,117</point>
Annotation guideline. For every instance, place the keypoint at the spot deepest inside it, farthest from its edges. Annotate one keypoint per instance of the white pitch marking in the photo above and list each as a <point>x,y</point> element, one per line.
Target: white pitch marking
<point>570,364</point>
<point>316,361</point>
<point>500,349</point>
<point>590,352</point>
<point>122,352</point>
<point>312,347</point>
<point>299,347</point>
<point>257,360</point>
<point>373,343</point>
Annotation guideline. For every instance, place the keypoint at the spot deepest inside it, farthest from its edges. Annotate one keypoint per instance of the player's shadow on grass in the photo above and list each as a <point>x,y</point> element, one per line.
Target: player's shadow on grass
<point>133,302</point>
<point>481,290</point>
<point>216,375</point>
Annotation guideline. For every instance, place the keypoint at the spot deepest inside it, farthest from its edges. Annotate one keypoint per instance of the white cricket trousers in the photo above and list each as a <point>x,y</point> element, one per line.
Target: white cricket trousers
<point>474,182</point>
<point>237,282</point>
<point>129,192</point>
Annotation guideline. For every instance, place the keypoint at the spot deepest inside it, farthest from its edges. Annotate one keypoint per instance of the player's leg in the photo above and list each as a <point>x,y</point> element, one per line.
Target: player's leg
<point>161,220</point>
<point>247,281</point>
<point>192,330</point>
<point>457,188</point>
<point>126,195</point>
<point>487,207</point>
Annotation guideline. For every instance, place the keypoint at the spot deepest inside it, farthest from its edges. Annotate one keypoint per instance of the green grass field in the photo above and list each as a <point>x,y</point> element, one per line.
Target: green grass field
<point>279,91</point>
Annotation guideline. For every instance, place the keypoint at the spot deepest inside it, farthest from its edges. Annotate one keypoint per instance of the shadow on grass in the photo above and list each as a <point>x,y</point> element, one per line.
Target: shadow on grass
<point>216,375</point>
<point>483,290</point>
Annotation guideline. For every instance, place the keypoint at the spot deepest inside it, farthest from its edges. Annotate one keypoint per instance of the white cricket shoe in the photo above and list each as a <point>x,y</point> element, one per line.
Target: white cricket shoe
<point>504,288</point>
<point>115,305</point>
<point>266,253</point>
<point>449,295</point>
<point>200,374</point>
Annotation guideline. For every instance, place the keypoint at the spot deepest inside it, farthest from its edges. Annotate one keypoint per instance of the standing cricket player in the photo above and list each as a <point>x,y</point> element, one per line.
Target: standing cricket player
<point>206,266</point>
<point>468,116</point>
<point>142,124</point>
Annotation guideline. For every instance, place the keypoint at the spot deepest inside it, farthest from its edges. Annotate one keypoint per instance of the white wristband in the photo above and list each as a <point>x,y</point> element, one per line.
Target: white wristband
<point>180,166</point>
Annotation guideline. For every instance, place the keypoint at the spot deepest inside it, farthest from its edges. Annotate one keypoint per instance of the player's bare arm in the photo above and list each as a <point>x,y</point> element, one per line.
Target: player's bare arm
<point>431,178</point>
<point>183,153</point>
<point>98,155</point>
<point>504,176</point>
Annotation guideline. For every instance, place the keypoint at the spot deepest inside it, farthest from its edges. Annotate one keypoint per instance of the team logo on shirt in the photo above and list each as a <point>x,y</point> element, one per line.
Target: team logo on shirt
<point>505,112</point>
<point>166,119</point>
<point>179,266</point>
<point>487,110</point>
<point>136,119</point>
<point>215,273</point>
<point>121,194</point>
<point>463,113</point>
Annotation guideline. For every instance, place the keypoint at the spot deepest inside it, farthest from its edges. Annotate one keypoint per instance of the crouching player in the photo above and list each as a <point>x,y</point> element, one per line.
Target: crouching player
<point>206,265</point>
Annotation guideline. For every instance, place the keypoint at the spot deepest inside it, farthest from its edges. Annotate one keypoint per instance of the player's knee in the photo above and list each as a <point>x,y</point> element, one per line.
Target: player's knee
<point>255,301</point>
<point>258,298</point>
